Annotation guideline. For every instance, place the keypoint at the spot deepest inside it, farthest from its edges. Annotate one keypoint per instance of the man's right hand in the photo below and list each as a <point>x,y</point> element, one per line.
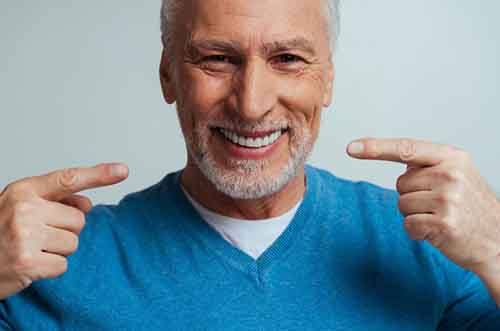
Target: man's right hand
<point>40,220</point>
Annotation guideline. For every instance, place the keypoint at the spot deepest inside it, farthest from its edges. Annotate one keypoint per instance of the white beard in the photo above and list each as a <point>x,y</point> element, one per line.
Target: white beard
<point>246,179</point>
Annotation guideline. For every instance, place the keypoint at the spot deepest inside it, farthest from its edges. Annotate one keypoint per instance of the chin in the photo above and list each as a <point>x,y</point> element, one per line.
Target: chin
<point>250,179</point>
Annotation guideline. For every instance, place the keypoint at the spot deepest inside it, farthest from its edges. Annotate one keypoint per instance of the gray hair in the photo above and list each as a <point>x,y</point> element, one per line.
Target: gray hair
<point>169,9</point>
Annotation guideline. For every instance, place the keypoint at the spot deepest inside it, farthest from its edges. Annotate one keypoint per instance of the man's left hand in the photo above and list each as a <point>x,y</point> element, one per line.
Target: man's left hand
<point>444,200</point>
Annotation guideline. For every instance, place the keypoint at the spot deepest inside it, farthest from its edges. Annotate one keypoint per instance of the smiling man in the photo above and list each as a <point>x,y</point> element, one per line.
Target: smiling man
<point>247,236</point>
<point>249,88</point>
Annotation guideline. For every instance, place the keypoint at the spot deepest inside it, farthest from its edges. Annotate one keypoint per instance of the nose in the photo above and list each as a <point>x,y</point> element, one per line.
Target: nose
<point>254,90</point>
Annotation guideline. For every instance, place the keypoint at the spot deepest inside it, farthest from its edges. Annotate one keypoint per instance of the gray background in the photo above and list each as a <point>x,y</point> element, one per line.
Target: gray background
<point>79,86</point>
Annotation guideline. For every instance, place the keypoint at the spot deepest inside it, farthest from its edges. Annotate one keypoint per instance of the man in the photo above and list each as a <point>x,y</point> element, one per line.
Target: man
<point>246,236</point>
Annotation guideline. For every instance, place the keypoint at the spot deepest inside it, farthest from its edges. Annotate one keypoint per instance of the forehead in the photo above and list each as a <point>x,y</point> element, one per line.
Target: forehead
<point>257,21</point>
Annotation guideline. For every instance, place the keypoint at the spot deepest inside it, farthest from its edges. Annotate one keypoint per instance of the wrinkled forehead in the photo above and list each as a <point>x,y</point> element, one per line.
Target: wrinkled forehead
<point>256,22</point>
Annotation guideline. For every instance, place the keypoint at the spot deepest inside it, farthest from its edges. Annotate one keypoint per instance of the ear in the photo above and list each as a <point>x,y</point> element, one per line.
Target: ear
<point>328,94</point>
<point>167,83</point>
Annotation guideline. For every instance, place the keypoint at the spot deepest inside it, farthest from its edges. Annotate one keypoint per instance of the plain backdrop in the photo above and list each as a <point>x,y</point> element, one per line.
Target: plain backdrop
<point>79,85</point>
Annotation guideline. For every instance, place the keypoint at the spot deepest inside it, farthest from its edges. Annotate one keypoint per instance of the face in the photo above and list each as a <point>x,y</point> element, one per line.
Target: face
<point>250,79</point>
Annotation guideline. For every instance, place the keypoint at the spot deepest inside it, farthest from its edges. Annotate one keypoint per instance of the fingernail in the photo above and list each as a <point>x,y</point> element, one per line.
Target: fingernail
<point>119,170</point>
<point>356,148</point>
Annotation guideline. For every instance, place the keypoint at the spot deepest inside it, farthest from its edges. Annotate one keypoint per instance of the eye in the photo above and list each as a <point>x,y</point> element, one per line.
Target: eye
<point>218,63</point>
<point>288,62</point>
<point>218,58</point>
<point>289,58</point>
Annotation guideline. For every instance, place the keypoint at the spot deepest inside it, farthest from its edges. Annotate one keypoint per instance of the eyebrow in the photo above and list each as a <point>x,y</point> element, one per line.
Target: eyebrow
<point>232,46</point>
<point>297,43</point>
<point>193,47</point>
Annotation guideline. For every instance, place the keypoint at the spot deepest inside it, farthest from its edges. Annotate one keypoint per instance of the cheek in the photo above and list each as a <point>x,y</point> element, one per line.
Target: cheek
<point>202,92</point>
<point>304,98</point>
<point>198,95</point>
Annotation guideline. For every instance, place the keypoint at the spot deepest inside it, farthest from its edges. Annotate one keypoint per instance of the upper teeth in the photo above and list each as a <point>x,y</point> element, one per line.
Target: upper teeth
<point>251,142</point>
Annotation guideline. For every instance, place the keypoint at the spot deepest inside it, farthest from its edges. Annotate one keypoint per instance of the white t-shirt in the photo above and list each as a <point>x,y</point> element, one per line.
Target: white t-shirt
<point>251,236</point>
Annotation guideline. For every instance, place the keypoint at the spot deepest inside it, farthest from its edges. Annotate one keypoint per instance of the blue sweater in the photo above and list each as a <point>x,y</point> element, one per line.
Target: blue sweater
<point>344,263</point>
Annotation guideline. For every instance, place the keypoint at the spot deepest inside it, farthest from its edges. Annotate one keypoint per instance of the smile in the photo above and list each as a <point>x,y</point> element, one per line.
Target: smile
<point>258,141</point>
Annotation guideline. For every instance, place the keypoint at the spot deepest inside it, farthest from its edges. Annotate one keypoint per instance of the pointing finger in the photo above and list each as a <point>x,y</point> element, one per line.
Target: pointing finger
<point>409,151</point>
<point>62,183</point>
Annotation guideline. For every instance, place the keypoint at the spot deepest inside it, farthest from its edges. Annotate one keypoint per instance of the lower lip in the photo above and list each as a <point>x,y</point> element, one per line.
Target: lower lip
<point>241,152</point>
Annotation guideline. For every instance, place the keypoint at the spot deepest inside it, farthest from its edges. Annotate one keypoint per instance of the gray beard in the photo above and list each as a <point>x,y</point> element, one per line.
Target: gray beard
<point>247,180</point>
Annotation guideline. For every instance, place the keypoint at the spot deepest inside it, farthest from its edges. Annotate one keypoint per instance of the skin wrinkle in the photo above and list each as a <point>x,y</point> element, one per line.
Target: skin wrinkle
<point>256,92</point>
<point>193,46</point>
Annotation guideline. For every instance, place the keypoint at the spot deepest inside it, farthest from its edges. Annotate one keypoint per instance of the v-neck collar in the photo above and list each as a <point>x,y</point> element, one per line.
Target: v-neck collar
<point>200,230</point>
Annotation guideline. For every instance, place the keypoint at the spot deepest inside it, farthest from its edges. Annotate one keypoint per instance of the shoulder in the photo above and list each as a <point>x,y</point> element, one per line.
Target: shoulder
<point>368,215</point>
<point>355,195</point>
<point>133,222</point>
<point>136,205</point>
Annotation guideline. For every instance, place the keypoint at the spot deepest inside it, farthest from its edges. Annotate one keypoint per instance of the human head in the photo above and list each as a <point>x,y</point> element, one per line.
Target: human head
<point>247,69</point>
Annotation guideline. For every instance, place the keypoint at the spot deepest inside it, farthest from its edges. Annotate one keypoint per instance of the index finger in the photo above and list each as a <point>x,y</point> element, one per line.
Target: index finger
<point>58,184</point>
<point>408,151</point>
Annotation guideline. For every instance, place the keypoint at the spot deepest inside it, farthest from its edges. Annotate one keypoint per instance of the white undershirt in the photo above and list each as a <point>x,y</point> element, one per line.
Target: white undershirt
<point>251,236</point>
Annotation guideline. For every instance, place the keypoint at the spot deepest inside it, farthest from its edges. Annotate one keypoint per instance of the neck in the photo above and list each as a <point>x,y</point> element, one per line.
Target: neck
<point>205,193</point>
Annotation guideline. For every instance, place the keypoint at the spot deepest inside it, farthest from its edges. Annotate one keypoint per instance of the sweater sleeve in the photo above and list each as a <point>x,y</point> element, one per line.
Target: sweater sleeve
<point>472,308</point>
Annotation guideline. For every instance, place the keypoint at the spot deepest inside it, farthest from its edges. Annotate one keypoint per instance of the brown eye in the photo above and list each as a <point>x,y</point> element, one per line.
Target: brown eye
<point>289,58</point>
<point>218,58</point>
<point>218,63</point>
<point>287,62</point>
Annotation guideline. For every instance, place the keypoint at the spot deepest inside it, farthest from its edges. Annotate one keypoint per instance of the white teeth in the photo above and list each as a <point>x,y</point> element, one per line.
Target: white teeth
<point>251,142</point>
<point>259,142</point>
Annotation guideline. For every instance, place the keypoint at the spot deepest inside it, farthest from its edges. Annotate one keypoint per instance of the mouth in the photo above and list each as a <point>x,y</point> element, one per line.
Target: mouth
<point>252,139</point>
<point>251,145</point>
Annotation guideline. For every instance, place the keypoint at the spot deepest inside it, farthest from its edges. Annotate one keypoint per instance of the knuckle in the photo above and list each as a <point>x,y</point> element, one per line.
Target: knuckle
<point>19,237</point>
<point>67,178</point>
<point>450,228</point>
<point>455,175</point>
<point>18,233</point>
<point>407,149</point>
<point>15,191</point>
<point>23,262</point>
<point>452,175</point>
<point>448,199</point>
<point>441,198</point>
<point>453,197</point>
<point>22,209</point>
